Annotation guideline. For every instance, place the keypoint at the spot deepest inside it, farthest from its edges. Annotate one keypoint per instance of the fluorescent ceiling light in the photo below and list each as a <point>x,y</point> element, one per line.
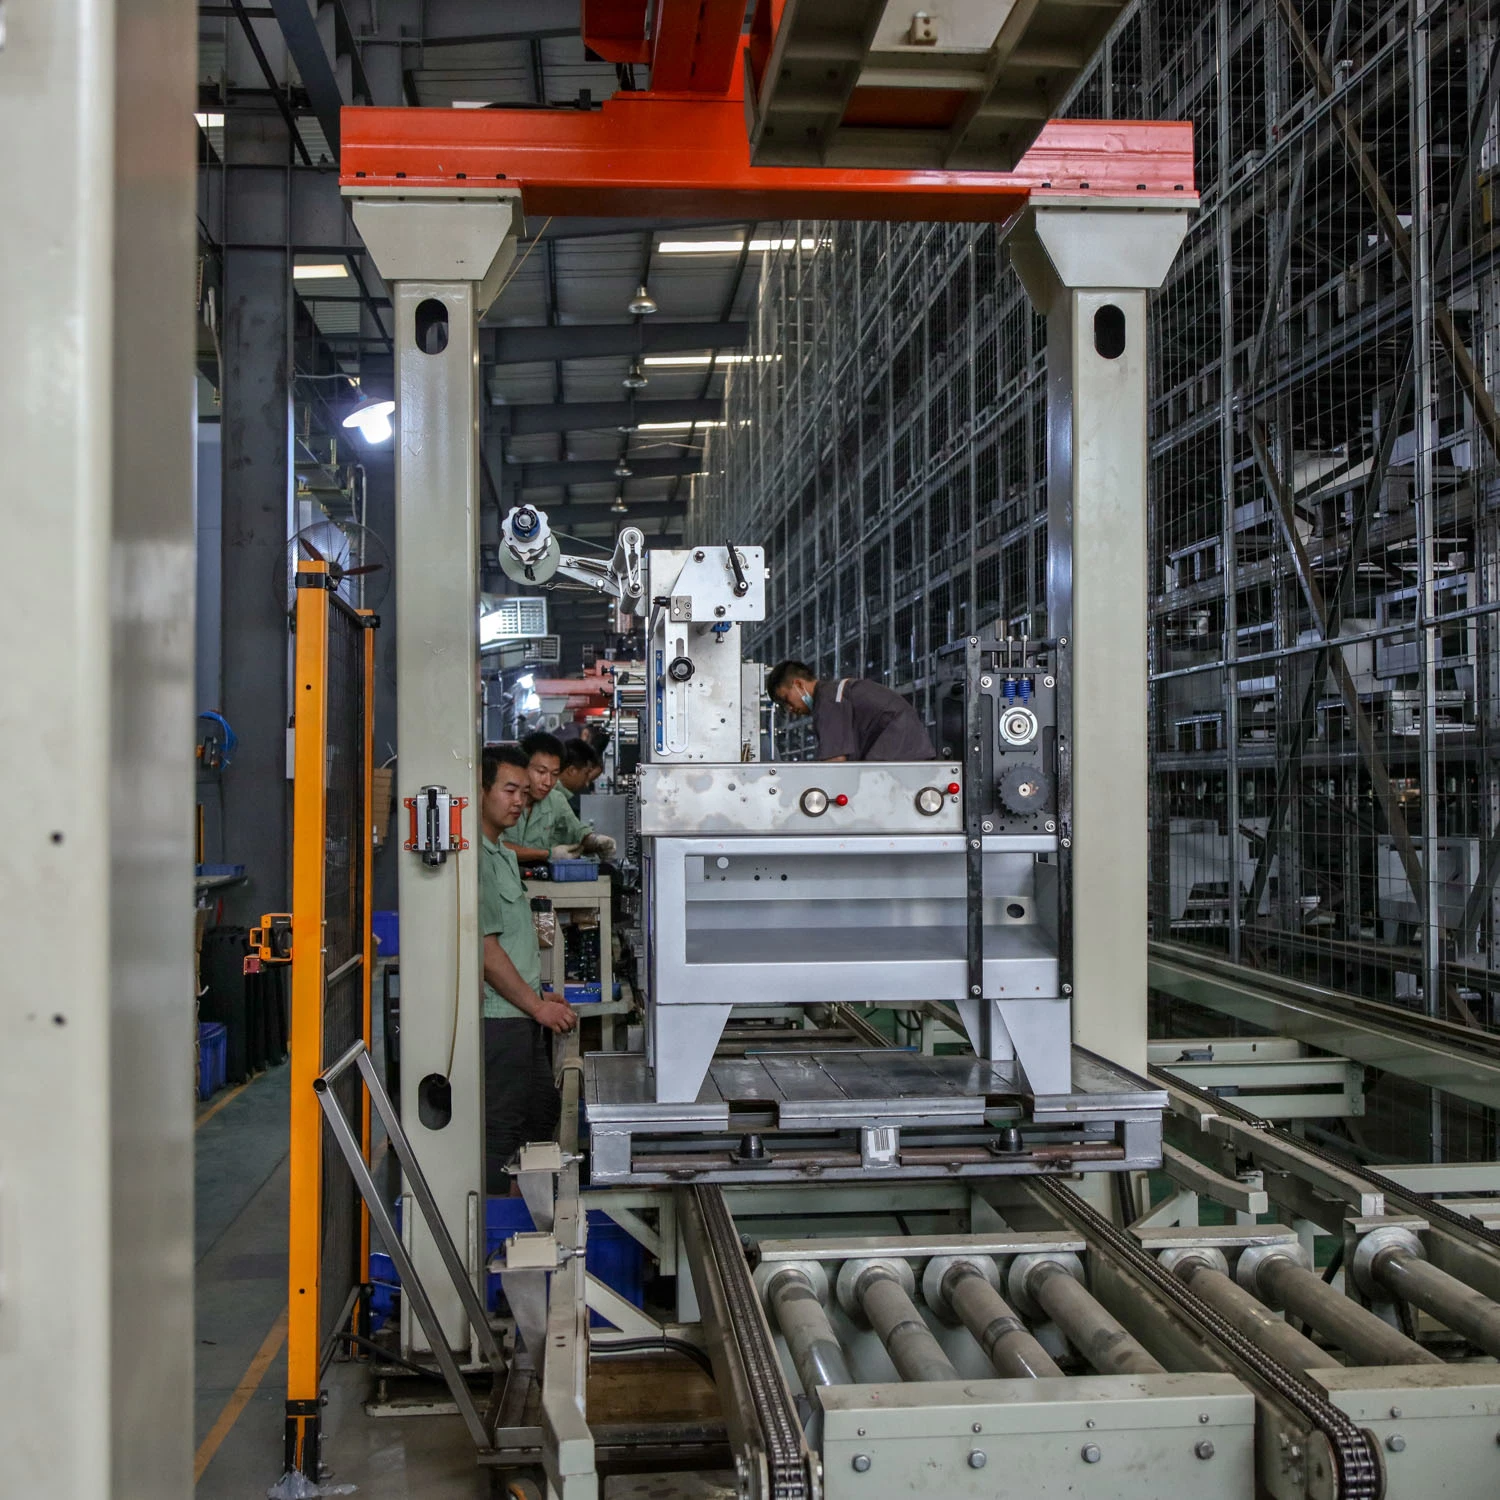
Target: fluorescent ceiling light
<point>210,122</point>
<point>334,271</point>
<point>699,361</point>
<point>731,247</point>
<point>673,426</point>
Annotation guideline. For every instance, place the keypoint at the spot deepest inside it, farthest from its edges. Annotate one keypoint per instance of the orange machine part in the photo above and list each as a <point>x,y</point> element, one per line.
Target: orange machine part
<point>687,157</point>
<point>691,46</point>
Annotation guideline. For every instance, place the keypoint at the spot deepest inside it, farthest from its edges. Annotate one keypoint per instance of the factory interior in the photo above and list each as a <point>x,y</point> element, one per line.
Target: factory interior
<point>754,749</point>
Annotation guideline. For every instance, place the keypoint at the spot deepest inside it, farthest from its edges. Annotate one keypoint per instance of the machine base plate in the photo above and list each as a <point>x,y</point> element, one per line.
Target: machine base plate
<point>789,1114</point>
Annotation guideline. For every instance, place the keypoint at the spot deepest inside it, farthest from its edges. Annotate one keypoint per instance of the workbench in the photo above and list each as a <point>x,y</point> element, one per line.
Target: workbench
<point>584,896</point>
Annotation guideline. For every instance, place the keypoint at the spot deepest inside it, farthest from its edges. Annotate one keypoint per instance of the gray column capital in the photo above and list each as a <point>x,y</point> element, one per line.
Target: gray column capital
<point>1068,243</point>
<point>442,238</point>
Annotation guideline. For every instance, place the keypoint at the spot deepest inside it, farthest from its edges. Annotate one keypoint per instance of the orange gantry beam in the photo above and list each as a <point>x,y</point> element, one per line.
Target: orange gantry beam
<point>646,155</point>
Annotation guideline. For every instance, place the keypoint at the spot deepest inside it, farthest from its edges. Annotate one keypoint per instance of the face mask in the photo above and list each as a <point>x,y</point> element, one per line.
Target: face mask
<point>807,699</point>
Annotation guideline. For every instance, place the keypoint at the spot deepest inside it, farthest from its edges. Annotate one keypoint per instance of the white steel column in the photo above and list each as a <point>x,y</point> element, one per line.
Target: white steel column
<point>1088,264</point>
<point>442,259</point>
<point>96,719</point>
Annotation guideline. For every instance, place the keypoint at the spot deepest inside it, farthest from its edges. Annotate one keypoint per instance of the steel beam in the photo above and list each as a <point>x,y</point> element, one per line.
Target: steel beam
<point>304,43</point>
<point>257,508</point>
<point>519,346</point>
<point>689,158</point>
<point>596,471</point>
<point>574,416</point>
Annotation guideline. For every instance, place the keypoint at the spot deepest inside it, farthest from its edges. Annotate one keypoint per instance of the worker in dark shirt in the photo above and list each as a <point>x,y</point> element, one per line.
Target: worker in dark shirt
<point>853,718</point>
<point>581,767</point>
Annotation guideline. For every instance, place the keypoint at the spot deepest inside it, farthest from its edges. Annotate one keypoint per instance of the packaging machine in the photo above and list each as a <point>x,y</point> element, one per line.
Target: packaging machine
<point>798,885</point>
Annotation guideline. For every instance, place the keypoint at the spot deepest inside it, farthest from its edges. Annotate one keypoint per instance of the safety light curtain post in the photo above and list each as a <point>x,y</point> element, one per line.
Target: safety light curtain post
<point>328,1238</point>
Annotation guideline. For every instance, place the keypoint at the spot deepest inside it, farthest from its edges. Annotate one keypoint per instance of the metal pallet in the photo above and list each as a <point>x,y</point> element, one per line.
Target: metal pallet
<point>788,1114</point>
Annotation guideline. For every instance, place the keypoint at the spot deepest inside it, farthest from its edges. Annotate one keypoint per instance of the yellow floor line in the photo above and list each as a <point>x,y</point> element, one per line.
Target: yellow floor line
<point>219,1104</point>
<point>237,1402</point>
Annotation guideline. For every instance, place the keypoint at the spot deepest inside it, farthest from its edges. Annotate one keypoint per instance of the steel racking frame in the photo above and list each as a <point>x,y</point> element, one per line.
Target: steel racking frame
<point>1324,467</point>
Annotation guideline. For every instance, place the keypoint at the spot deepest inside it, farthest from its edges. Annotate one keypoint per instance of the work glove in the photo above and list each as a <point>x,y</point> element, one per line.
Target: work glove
<point>598,843</point>
<point>564,851</point>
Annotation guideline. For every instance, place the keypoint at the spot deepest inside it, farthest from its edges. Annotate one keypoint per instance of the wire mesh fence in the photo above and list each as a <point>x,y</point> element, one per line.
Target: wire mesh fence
<point>1323,481</point>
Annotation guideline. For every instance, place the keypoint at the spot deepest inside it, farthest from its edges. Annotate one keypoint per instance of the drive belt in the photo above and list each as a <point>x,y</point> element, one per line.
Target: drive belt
<point>1358,1467</point>
<point>781,1432</point>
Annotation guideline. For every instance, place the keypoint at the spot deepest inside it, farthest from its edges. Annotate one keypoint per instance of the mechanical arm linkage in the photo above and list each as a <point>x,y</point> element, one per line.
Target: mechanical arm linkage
<point>530,553</point>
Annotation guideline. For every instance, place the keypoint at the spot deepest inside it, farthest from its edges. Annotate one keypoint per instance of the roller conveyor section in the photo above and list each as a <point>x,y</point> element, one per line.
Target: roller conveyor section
<point>1277,1275</point>
<point>1055,1285</point>
<point>795,1296</point>
<point>1205,1273</point>
<point>1392,1260</point>
<point>968,1291</point>
<point>880,1292</point>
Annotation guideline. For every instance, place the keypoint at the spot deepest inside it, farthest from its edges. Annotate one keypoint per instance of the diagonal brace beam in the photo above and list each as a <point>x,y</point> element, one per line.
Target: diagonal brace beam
<point>1364,730</point>
<point>1291,759</point>
<point>1477,394</point>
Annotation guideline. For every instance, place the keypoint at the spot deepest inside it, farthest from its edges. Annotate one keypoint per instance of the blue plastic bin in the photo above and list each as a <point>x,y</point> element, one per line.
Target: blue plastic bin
<point>616,1259</point>
<point>385,1287</point>
<point>612,1255</point>
<point>213,1057</point>
<point>583,993</point>
<point>387,925</point>
<point>575,869</point>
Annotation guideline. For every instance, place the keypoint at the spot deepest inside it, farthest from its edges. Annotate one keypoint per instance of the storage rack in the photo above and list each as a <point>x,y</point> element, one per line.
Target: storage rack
<point>1324,458</point>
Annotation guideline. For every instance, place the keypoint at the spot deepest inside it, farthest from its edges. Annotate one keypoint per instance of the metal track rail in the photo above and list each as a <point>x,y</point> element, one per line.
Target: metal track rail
<point>1425,1049</point>
<point>1409,1024</point>
<point>1358,1470</point>
<point>744,1355</point>
<point>1419,1204</point>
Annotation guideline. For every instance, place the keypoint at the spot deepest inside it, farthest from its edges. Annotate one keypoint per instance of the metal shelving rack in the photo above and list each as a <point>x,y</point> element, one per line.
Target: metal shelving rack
<point>1324,464</point>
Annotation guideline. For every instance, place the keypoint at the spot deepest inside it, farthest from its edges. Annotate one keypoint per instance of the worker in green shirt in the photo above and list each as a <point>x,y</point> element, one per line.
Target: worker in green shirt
<point>521,1101</point>
<point>550,829</point>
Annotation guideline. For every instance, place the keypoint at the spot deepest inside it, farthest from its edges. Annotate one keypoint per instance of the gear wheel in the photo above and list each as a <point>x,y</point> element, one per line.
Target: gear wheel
<point>1024,789</point>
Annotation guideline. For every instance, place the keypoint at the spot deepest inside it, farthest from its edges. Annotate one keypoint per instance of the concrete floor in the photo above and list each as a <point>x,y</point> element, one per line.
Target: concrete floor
<point>241,1355</point>
<point>241,1260</point>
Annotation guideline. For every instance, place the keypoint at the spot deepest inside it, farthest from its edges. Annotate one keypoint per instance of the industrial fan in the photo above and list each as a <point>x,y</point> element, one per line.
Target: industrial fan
<point>358,563</point>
